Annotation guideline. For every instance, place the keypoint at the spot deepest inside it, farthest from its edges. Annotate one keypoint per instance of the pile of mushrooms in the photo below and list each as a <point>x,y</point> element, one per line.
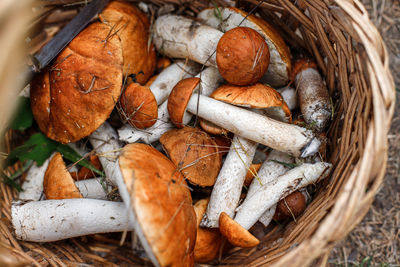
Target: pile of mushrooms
<point>173,180</point>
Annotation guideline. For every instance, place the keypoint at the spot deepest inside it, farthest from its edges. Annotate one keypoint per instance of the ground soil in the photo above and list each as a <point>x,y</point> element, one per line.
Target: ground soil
<point>376,240</point>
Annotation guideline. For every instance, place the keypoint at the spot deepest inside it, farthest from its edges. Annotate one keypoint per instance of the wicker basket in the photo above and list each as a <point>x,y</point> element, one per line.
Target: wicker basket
<point>352,57</point>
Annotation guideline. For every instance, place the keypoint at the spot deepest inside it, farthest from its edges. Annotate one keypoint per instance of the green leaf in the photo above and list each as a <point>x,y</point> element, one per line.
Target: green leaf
<point>71,155</point>
<point>217,12</point>
<point>8,181</point>
<point>23,118</point>
<point>37,148</point>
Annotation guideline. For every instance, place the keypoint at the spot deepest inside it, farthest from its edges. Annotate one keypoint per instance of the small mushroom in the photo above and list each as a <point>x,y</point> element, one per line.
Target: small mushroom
<point>291,206</point>
<point>85,173</point>
<point>314,100</point>
<point>161,87</point>
<point>279,63</point>
<point>195,154</point>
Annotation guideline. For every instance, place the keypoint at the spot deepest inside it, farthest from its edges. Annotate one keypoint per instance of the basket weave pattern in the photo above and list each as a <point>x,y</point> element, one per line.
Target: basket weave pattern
<point>353,59</point>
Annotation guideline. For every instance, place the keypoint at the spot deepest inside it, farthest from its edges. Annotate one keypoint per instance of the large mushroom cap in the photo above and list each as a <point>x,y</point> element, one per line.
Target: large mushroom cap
<point>280,59</point>
<point>133,27</point>
<point>242,56</point>
<point>58,182</point>
<point>179,98</point>
<point>194,153</point>
<point>139,106</point>
<point>257,96</point>
<point>77,93</point>
<point>161,204</point>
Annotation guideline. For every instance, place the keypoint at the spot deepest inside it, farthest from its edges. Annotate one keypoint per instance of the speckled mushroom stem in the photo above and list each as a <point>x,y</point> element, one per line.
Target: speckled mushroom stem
<point>32,188</point>
<point>52,220</point>
<point>105,142</point>
<point>93,188</point>
<point>226,192</point>
<point>289,138</point>
<point>314,98</point>
<point>248,213</point>
<point>180,37</point>
<point>210,79</point>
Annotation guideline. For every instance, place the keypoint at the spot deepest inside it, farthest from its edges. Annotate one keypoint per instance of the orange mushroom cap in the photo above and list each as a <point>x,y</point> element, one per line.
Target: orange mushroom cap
<point>211,128</point>
<point>235,233</point>
<point>242,56</point>
<point>133,28</point>
<point>179,98</point>
<point>139,106</point>
<point>77,93</point>
<point>57,182</point>
<point>194,153</point>
<point>161,203</point>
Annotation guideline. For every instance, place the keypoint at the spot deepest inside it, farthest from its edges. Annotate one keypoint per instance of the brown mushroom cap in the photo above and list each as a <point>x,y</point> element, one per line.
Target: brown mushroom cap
<point>257,96</point>
<point>151,80</point>
<point>235,233</point>
<point>139,106</point>
<point>208,240</point>
<point>179,98</point>
<point>211,128</point>
<point>161,204</point>
<point>194,153</point>
<point>292,205</point>
<point>242,56</point>
<point>77,93</point>
<point>57,182</point>
<point>163,63</point>
<point>133,27</point>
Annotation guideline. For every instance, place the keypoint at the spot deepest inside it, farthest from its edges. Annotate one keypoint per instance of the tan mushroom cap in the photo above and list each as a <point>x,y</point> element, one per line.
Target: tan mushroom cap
<point>77,93</point>
<point>257,96</point>
<point>211,128</point>
<point>57,182</point>
<point>139,106</point>
<point>179,98</point>
<point>242,56</point>
<point>133,27</point>
<point>291,206</point>
<point>209,240</point>
<point>235,233</point>
<point>194,153</point>
<point>161,203</point>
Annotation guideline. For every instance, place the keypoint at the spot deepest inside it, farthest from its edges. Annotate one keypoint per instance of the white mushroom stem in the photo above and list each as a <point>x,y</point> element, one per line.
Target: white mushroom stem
<point>315,103</point>
<point>289,138</point>
<point>32,188</point>
<point>93,188</point>
<point>180,37</point>
<point>105,141</point>
<point>226,192</point>
<point>169,77</point>
<point>52,220</point>
<point>210,80</point>
<point>248,213</point>
<point>289,95</point>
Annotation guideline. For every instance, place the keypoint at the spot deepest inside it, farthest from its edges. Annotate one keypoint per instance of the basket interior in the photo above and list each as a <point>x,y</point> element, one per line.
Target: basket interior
<point>331,33</point>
